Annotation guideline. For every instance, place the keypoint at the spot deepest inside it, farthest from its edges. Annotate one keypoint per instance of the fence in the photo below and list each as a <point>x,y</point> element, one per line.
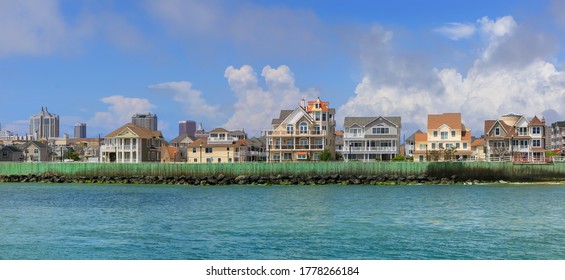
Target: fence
<point>464,170</point>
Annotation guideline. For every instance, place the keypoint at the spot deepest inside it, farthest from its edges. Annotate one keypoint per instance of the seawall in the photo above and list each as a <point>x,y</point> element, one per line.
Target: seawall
<point>281,173</point>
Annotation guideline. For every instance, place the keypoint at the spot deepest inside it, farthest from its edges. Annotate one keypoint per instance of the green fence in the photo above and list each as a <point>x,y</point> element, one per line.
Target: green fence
<point>464,170</point>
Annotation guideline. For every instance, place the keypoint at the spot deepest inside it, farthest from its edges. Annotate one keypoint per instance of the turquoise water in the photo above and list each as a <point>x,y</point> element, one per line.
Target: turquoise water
<point>49,221</point>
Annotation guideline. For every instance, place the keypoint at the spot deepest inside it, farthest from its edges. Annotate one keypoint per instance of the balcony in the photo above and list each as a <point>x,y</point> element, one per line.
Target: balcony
<point>296,147</point>
<point>370,149</point>
<point>222,140</point>
<point>273,133</point>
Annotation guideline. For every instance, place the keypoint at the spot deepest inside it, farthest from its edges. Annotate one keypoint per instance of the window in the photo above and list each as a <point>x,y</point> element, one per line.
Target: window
<point>522,131</point>
<point>433,146</point>
<point>316,156</point>
<point>536,143</point>
<point>380,130</point>
<point>465,146</point>
<point>421,158</point>
<point>453,134</point>
<point>317,116</point>
<point>457,145</point>
<point>303,127</point>
<point>355,132</point>
<point>444,135</point>
<point>316,129</point>
<point>324,118</point>
<point>536,130</point>
<point>524,143</point>
<point>499,144</point>
<point>302,156</point>
<point>287,156</point>
<point>227,148</point>
<point>208,150</point>
<point>497,131</point>
<point>194,150</point>
<point>195,160</point>
<point>289,128</point>
<point>422,146</point>
<point>435,133</point>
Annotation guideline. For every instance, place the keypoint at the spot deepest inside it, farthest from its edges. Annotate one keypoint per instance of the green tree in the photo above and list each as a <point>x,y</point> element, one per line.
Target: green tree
<point>71,154</point>
<point>326,155</point>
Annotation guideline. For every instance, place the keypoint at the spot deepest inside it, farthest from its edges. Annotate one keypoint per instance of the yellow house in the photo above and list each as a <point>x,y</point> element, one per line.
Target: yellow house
<point>219,147</point>
<point>446,139</point>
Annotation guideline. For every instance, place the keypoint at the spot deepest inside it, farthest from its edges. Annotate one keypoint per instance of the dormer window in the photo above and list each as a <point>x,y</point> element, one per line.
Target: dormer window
<point>497,131</point>
<point>317,106</point>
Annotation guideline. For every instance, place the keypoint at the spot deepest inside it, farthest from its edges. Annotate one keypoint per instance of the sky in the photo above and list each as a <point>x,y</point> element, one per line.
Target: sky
<point>236,64</point>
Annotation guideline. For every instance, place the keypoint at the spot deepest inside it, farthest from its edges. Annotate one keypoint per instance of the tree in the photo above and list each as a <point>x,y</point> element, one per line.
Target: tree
<point>71,154</point>
<point>326,155</point>
<point>449,152</point>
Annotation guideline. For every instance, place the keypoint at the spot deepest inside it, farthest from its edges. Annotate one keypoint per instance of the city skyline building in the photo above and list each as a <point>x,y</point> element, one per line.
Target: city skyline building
<point>148,120</point>
<point>188,127</point>
<point>44,125</point>
<point>80,130</point>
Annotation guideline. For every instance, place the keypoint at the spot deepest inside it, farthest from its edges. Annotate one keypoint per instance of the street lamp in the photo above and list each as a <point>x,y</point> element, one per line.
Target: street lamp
<point>427,157</point>
<point>200,152</point>
<point>228,156</point>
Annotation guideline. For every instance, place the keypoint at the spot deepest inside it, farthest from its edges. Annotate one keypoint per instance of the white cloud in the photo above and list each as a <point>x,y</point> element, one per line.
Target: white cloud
<point>497,83</point>
<point>192,100</point>
<point>255,106</point>
<point>456,31</point>
<point>120,111</point>
<point>31,27</point>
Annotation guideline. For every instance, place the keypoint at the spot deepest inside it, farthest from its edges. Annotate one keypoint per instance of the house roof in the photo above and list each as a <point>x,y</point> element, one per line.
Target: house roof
<point>478,142</point>
<point>364,121</point>
<point>536,121</point>
<point>219,129</point>
<point>324,106</point>
<point>339,132</point>
<point>412,137</point>
<point>420,136</point>
<point>453,120</point>
<point>11,148</point>
<point>282,116</point>
<point>466,135</point>
<point>38,144</point>
<point>142,132</point>
<point>204,142</point>
<point>559,124</point>
<point>182,137</point>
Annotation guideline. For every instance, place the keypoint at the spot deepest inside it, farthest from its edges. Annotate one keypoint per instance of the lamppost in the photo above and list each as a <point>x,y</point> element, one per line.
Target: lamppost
<point>61,153</point>
<point>512,148</point>
<point>228,156</point>
<point>427,158</point>
<point>200,152</point>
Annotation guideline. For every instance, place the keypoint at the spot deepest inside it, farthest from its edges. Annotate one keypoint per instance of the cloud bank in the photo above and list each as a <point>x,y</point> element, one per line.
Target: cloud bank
<point>510,74</point>
<point>120,111</point>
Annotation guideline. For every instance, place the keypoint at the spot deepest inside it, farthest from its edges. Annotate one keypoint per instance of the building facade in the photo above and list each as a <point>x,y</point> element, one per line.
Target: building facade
<point>132,144</point>
<point>80,130</point>
<point>219,147</point>
<point>148,121</point>
<point>513,137</point>
<point>371,138</point>
<point>557,136</point>
<point>44,125</point>
<point>187,127</point>
<point>303,133</point>
<point>446,139</point>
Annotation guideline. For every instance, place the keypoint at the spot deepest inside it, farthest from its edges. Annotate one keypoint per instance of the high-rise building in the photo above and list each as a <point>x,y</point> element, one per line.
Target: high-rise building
<point>80,130</point>
<point>148,121</point>
<point>44,125</point>
<point>188,127</point>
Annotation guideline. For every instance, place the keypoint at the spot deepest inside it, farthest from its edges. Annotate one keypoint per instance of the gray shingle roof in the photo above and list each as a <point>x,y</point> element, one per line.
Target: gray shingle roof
<point>282,116</point>
<point>363,121</point>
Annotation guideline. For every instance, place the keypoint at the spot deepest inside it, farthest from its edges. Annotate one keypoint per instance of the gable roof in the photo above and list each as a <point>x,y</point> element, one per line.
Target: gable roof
<point>536,121</point>
<point>364,121</point>
<point>11,148</point>
<point>420,136</point>
<point>282,115</point>
<point>324,106</point>
<point>478,142</point>
<point>296,115</point>
<point>412,137</point>
<point>182,137</point>
<point>38,144</point>
<point>219,129</point>
<point>142,132</point>
<point>453,120</point>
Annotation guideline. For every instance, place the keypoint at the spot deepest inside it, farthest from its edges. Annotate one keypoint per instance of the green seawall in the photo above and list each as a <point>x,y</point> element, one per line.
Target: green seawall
<point>487,171</point>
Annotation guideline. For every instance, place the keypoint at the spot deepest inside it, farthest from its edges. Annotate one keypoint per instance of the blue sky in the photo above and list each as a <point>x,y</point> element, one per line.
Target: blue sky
<point>235,64</point>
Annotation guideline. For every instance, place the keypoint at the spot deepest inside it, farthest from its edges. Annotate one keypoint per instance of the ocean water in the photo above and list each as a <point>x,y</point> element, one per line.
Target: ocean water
<point>51,221</point>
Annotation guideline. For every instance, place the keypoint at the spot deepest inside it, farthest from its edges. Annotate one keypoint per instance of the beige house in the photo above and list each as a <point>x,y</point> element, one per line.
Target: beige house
<point>303,133</point>
<point>219,147</point>
<point>478,149</point>
<point>132,143</point>
<point>446,139</point>
<point>515,138</point>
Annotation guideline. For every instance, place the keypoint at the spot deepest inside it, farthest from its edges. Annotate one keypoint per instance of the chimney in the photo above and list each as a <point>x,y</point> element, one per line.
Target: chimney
<point>303,103</point>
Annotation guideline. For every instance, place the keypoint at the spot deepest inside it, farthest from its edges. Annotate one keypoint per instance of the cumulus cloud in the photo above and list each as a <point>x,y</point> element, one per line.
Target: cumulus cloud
<point>255,106</point>
<point>506,77</point>
<point>456,31</point>
<point>120,111</point>
<point>191,99</point>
